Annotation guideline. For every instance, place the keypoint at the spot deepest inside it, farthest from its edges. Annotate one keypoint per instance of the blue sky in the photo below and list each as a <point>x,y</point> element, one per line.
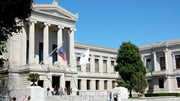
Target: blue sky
<point>110,22</point>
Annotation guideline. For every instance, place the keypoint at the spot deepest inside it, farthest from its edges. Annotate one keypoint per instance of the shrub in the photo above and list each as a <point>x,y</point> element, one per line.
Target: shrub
<point>161,94</point>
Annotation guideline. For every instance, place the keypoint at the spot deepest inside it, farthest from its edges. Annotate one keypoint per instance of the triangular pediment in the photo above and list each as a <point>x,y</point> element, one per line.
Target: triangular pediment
<point>55,10</point>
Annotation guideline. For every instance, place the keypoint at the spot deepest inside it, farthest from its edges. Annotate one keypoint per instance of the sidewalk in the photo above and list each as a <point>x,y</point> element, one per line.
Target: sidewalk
<point>162,98</point>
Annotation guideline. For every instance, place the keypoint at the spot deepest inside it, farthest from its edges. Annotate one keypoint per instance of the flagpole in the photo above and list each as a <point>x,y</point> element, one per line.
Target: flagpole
<point>48,57</point>
<point>51,53</point>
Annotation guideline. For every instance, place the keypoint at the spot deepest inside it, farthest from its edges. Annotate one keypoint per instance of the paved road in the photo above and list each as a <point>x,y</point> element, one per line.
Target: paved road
<point>156,99</point>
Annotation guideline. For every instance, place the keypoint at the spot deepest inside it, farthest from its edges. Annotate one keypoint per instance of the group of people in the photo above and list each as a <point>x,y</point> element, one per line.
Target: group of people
<point>115,97</point>
<point>60,91</point>
<point>25,98</point>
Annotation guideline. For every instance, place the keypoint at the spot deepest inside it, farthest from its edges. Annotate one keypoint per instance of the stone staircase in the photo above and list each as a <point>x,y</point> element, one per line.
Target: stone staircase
<point>75,98</point>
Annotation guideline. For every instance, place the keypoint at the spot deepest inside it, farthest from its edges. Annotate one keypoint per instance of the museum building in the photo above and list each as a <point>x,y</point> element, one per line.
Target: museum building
<point>32,51</point>
<point>50,27</point>
<point>162,60</point>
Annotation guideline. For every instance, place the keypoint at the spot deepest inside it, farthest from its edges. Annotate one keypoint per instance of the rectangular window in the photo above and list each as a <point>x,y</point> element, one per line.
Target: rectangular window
<point>88,66</point>
<point>178,82</point>
<point>161,82</point>
<point>105,85</point>
<point>162,63</point>
<point>79,84</point>
<point>88,84</point>
<point>113,84</point>
<point>96,65</point>
<point>148,65</point>
<point>112,66</point>
<point>27,52</point>
<point>78,64</point>
<point>177,57</point>
<point>104,66</point>
<point>41,83</point>
<point>54,55</point>
<point>40,52</point>
<point>97,84</point>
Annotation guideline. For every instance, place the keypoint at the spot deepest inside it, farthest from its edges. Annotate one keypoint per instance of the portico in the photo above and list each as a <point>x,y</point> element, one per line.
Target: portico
<point>48,28</point>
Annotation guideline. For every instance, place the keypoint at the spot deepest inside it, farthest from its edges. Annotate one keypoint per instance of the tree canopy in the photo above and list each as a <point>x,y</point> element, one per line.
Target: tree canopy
<point>131,68</point>
<point>12,13</point>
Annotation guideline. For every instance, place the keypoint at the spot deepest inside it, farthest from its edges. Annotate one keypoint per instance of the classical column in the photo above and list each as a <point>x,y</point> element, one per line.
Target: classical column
<point>154,61</point>
<point>46,42</point>
<point>174,61</point>
<point>166,59</point>
<point>71,47</point>
<point>31,41</point>
<point>59,39</point>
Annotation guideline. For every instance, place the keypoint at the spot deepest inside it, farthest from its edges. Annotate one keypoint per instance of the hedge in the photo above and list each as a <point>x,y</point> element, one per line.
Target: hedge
<point>161,94</point>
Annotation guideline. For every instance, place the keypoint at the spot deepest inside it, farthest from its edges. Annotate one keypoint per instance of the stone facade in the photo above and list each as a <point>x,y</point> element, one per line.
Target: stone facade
<point>51,26</point>
<point>105,77</point>
<point>163,63</point>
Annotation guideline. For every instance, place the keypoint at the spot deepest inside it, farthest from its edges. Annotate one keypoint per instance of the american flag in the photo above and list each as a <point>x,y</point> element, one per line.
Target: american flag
<point>62,53</point>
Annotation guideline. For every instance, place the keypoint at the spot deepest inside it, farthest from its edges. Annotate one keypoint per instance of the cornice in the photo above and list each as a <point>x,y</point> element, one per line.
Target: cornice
<point>165,44</point>
<point>94,47</point>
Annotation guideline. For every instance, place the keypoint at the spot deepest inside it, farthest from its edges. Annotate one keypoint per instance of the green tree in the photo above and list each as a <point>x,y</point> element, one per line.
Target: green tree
<point>130,67</point>
<point>12,14</point>
<point>140,82</point>
<point>3,81</point>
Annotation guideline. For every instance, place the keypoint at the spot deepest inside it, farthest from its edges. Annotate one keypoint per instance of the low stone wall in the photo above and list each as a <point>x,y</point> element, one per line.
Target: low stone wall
<point>36,93</point>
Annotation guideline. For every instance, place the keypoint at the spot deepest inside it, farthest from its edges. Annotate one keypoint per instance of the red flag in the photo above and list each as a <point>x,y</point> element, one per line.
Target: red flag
<point>62,53</point>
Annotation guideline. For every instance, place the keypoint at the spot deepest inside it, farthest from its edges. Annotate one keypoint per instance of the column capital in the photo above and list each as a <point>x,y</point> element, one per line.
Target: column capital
<point>60,27</point>
<point>32,21</point>
<point>154,53</point>
<point>166,50</point>
<point>47,24</point>
<point>73,29</point>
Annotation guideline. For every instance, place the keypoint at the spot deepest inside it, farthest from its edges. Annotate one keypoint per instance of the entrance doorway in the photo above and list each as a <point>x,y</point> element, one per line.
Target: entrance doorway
<point>56,82</point>
<point>41,83</point>
<point>68,87</point>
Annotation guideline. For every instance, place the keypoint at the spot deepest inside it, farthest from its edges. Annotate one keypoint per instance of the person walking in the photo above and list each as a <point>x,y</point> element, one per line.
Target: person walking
<point>110,97</point>
<point>48,91</point>
<point>61,91</point>
<point>14,98</point>
<point>10,98</point>
<point>29,98</point>
<point>115,98</point>
<point>25,98</point>
<point>52,91</point>
<point>65,91</point>
<point>70,91</point>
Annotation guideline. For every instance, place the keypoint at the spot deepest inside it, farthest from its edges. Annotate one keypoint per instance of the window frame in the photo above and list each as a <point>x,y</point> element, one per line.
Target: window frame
<point>178,62</point>
<point>96,70</point>
<point>78,62</point>
<point>105,67</point>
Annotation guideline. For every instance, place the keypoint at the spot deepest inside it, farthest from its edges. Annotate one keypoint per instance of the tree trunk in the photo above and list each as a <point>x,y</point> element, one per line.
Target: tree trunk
<point>130,91</point>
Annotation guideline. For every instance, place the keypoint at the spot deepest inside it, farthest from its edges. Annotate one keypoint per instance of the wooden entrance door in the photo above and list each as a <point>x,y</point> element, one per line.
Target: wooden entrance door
<point>68,87</point>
